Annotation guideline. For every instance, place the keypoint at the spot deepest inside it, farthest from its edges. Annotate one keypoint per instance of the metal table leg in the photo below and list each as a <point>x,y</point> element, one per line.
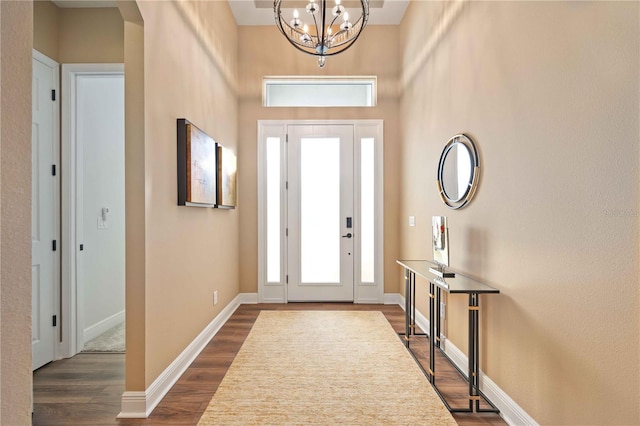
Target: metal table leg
<point>407,306</point>
<point>436,336</point>
<point>473,352</point>
<point>432,333</point>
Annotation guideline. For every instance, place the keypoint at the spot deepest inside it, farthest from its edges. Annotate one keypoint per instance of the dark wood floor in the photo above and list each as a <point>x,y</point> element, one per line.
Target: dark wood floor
<point>86,389</point>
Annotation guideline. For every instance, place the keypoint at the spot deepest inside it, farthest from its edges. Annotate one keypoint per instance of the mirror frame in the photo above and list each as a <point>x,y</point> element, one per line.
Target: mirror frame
<point>475,175</point>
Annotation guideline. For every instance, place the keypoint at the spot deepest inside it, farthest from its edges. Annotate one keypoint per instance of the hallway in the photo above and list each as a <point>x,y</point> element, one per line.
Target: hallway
<point>86,389</point>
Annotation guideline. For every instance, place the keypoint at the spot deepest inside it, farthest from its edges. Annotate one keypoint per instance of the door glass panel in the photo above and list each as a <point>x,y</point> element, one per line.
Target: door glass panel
<point>367,175</point>
<point>273,210</point>
<point>320,210</point>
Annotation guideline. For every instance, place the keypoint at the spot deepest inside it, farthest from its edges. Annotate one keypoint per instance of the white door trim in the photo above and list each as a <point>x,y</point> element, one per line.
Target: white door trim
<point>73,318</point>
<point>277,292</point>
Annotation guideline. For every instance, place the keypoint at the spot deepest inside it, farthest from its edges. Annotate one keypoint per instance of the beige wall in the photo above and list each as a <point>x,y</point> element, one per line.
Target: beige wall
<point>190,73</point>
<point>46,28</point>
<point>549,91</point>
<point>282,59</point>
<point>16,41</point>
<point>135,200</point>
<point>91,35</point>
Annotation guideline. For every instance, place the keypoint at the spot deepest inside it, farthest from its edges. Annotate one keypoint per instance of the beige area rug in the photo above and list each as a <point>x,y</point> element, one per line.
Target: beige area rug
<point>324,368</point>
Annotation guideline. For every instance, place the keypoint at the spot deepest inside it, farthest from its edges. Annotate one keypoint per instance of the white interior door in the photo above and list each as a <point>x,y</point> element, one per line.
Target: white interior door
<point>44,210</point>
<point>320,205</point>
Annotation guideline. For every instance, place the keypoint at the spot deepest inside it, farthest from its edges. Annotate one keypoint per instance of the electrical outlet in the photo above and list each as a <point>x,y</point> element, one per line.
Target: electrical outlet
<point>215,297</point>
<point>412,221</point>
<point>443,308</point>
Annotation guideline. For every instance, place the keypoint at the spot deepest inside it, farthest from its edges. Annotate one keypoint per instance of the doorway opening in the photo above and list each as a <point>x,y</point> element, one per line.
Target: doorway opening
<point>93,207</point>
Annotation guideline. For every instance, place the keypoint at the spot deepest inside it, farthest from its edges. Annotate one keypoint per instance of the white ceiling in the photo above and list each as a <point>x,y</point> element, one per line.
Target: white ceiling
<point>260,12</point>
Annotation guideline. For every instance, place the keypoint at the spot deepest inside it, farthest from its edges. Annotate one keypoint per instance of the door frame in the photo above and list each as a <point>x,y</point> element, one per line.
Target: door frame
<point>363,292</point>
<point>72,322</point>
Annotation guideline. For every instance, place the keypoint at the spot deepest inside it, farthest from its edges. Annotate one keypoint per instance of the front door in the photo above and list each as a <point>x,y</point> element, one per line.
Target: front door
<point>320,220</point>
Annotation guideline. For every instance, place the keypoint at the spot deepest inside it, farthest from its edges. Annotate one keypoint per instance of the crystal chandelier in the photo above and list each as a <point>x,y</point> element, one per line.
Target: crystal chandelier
<point>332,31</point>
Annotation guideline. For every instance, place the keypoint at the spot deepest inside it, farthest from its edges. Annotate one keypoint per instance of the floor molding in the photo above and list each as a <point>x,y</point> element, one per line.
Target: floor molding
<point>510,411</point>
<point>393,299</point>
<point>103,326</point>
<point>248,298</point>
<point>140,404</point>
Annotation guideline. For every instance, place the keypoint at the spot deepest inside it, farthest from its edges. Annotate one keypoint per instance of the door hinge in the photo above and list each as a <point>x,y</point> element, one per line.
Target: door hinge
<point>286,185</point>
<point>81,247</point>
<point>53,170</point>
<point>53,94</point>
<point>286,232</point>
<point>286,138</point>
<point>54,321</point>
<point>287,279</point>
<point>54,245</point>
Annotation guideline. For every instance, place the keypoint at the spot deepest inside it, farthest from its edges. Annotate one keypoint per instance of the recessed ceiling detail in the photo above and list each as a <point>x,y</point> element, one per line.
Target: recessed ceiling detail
<point>75,4</point>
<point>260,12</point>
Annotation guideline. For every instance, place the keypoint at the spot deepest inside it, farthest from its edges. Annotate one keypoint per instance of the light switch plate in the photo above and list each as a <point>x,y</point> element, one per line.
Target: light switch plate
<point>412,221</point>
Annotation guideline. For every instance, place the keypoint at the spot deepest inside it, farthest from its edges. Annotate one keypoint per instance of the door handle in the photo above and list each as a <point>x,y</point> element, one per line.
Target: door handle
<point>349,235</point>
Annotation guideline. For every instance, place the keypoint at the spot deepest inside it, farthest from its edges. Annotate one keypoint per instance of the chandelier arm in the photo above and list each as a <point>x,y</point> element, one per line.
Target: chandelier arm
<point>355,29</point>
<point>335,18</point>
<point>351,43</point>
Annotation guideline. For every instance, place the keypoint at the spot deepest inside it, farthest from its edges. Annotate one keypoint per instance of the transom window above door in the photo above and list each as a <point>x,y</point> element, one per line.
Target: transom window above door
<point>319,91</point>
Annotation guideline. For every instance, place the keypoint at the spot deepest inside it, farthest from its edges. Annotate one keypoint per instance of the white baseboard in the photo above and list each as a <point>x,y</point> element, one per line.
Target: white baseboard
<point>100,327</point>
<point>247,298</point>
<point>367,301</point>
<point>140,404</point>
<point>273,300</point>
<point>510,411</point>
<point>393,299</point>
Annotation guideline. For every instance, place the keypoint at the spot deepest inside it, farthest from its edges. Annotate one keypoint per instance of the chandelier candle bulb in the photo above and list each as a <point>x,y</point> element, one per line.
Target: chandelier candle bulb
<point>311,7</point>
<point>296,22</point>
<point>338,9</point>
<point>346,25</point>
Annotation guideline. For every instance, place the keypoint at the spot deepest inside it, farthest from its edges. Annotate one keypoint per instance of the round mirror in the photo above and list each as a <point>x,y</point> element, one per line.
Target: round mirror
<point>458,171</point>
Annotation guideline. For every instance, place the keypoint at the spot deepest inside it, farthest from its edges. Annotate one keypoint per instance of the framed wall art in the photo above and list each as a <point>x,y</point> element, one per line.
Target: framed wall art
<point>197,170</point>
<point>227,178</point>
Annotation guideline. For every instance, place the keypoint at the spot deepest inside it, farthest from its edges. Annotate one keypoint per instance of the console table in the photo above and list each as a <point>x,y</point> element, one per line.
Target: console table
<point>458,285</point>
